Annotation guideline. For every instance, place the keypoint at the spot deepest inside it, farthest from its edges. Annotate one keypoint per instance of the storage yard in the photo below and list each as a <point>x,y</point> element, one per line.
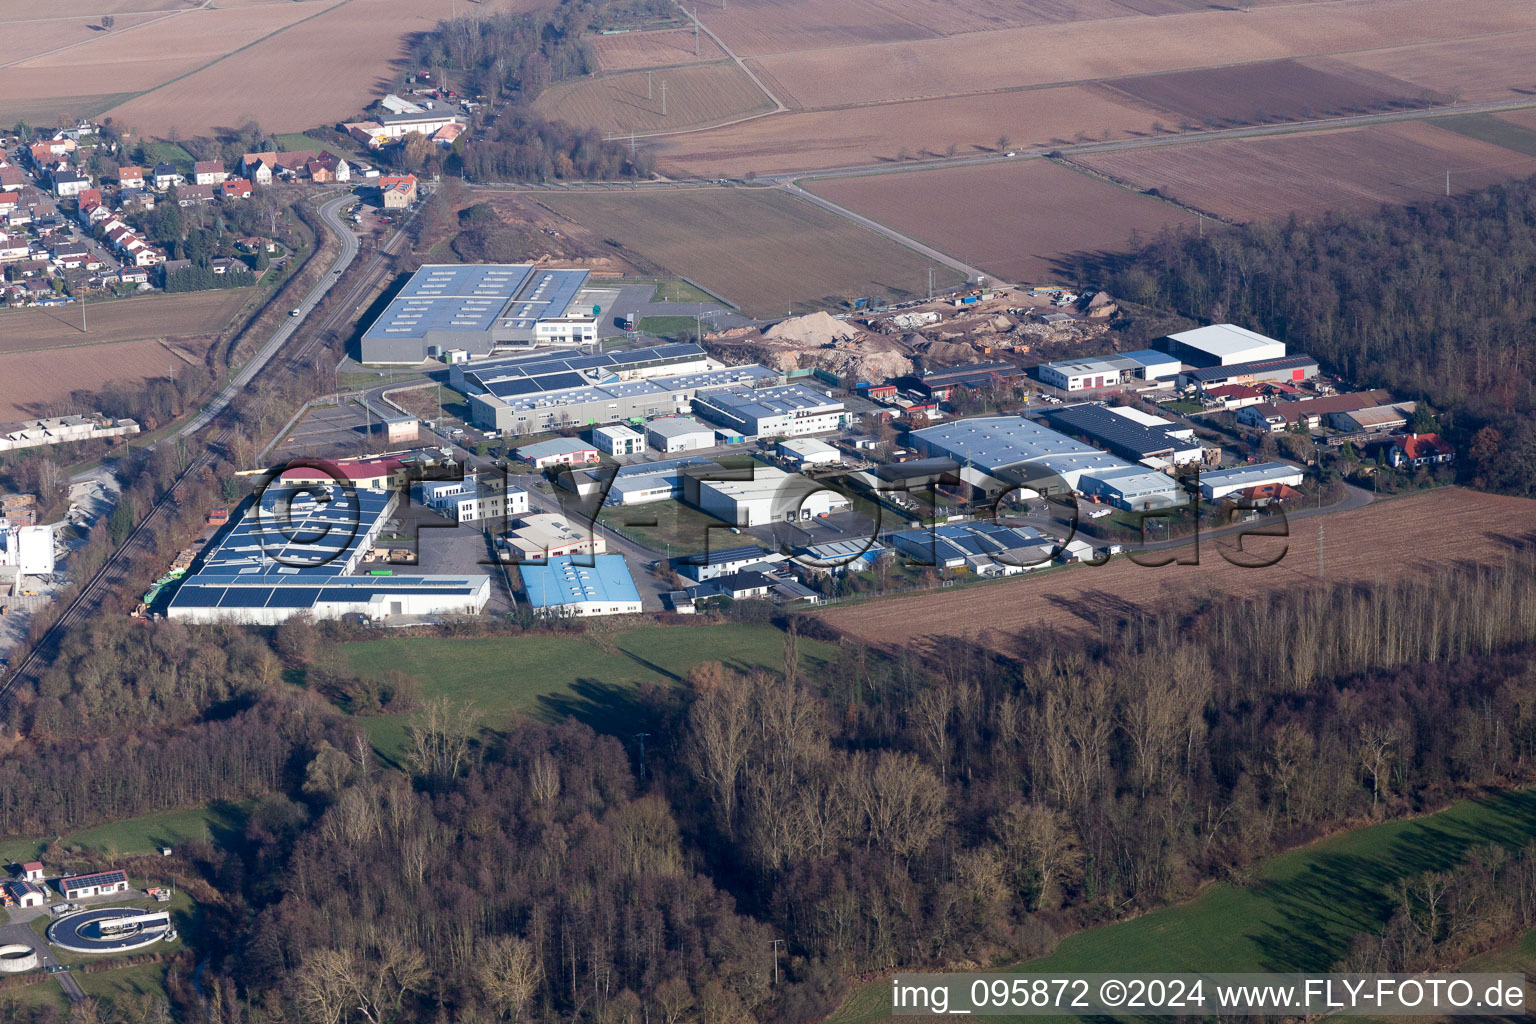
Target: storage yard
<point>760,249</point>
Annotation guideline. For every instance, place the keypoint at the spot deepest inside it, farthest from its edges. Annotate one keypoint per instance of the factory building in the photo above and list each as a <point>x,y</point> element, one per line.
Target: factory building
<point>547,535</point>
<point>563,586</point>
<point>725,561</point>
<point>292,553</point>
<point>771,496</point>
<point>673,434</point>
<point>1150,445</point>
<point>1220,483</point>
<point>792,410</point>
<point>477,309</point>
<point>1108,371</point>
<point>558,451</point>
<point>646,482</point>
<point>1132,488</point>
<point>987,549</point>
<point>618,440</point>
<point>554,391</point>
<point>1286,368</point>
<point>1221,345</point>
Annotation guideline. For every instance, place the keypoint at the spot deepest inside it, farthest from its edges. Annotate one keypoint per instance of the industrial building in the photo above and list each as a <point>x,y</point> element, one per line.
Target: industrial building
<point>710,564</point>
<point>102,883</point>
<point>477,309</point>
<point>1380,420</point>
<point>1108,371</point>
<point>771,496</point>
<point>1132,488</point>
<point>559,390</point>
<point>987,549</point>
<point>673,434</point>
<point>1150,445</point>
<point>547,535</point>
<point>563,586</point>
<point>557,451</point>
<point>646,482</point>
<point>291,554</point>
<point>1285,368</point>
<point>938,384</point>
<point>471,499</point>
<point>619,440</point>
<point>807,452</point>
<point>1220,483</point>
<point>837,556</point>
<point>1222,345</point>
<point>792,410</point>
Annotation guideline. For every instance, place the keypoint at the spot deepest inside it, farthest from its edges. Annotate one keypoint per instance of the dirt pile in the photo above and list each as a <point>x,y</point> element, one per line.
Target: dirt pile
<point>822,341</point>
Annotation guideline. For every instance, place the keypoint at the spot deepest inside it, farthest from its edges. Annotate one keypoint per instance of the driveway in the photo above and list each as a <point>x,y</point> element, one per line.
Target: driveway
<point>22,934</point>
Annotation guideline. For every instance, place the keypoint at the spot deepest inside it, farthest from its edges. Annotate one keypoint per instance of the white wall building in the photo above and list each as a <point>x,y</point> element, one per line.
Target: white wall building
<point>772,495</point>
<point>790,410</point>
<point>1223,345</point>
<point>1219,483</point>
<point>619,440</point>
<point>470,499</point>
<point>805,452</point>
<point>672,434</point>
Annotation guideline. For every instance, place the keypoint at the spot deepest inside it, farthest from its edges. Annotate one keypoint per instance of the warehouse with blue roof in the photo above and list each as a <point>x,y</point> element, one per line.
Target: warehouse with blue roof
<point>581,585</point>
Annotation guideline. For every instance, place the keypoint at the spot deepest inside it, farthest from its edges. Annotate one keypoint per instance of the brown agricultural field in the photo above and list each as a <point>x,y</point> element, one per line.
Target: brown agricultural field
<point>697,95</point>
<point>878,134</point>
<point>778,26</point>
<point>137,57</point>
<point>184,314</point>
<point>1354,168</point>
<point>1277,90</point>
<point>321,68</point>
<point>1021,221</point>
<point>1089,51</point>
<point>41,383</point>
<point>762,249</point>
<point>651,49</point>
<point>1362,545</point>
<point>1498,67</point>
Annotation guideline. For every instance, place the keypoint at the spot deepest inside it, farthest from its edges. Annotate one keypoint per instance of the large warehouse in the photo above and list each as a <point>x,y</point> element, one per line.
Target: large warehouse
<point>1220,483</point>
<point>1108,371</point>
<point>580,586</point>
<point>552,391</point>
<point>1285,368</point>
<point>478,308</point>
<point>793,410</point>
<point>772,495</point>
<point>292,554</point>
<point>1222,345</point>
<point>1149,445</point>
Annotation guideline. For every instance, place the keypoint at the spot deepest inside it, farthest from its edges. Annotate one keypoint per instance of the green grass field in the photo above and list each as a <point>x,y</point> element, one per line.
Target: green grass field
<point>553,676</point>
<point>1297,914</point>
<point>680,291</point>
<point>668,326</point>
<point>167,152</point>
<point>138,835</point>
<point>1491,129</point>
<point>677,529</point>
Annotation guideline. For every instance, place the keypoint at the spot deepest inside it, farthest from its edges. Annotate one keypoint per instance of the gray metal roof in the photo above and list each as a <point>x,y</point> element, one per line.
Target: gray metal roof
<point>1132,439</point>
<point>474,299</point>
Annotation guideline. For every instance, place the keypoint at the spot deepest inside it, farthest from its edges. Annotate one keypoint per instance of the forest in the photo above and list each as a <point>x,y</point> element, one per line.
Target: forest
<point>880,813</point>
<point>1432,301</point>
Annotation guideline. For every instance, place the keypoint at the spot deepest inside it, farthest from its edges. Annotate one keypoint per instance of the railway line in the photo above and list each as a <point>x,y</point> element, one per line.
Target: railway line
<point>114,572</point>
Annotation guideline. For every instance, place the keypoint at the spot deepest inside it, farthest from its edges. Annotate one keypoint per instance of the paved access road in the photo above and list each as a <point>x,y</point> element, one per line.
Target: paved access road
<point>22,934</point>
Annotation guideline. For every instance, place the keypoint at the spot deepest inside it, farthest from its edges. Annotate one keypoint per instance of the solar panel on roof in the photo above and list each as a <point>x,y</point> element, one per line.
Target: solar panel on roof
<point>245,597</point>
<point>100,878</point>
<point>293,597</point>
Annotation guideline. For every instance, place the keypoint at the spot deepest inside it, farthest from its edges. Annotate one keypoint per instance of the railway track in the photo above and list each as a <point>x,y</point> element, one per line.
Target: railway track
<point>114,572</point>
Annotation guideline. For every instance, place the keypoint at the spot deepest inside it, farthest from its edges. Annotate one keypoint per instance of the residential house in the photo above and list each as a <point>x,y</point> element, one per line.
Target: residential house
<point>258,167</point>
<point>446,135</point>
<point>133,275</point>
<point>136,199</point>
<point>339,169</point>
<point>236,188</point>
<point>1419,450</point>
<point>90,196</point>
<point>10,205</point>
<point>191,195</point>
<point>369,133</point>
<point>69,183</point>
<point>397,191</point>
<point>12,178</point>
<point>292,164</point>
<point>166,176</point>
<point>208,172</point>
<point>1309,412</point>
<point>318,172</point>
<point>13,247</point>
<point>255,243</point>
<point>130,177</point>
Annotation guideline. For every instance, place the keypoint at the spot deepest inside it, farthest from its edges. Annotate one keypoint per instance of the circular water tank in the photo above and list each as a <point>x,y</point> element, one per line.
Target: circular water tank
<point>17,957</point>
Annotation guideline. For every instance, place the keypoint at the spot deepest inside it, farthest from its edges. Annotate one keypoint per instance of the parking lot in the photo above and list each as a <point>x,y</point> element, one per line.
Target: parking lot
<point>327,432</point>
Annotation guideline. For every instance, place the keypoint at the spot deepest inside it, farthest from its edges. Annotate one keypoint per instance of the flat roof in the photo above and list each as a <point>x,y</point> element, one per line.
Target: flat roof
<point>1224,340</point>
<point>564,581</point>
<point>678,426</point>
<point>1261,473</point>
<point>618,432</point>
<point>773,401</point>
<point>1294,362</point>
<point>995,442</point>
<point>1134,480</point>
<point>1117,431</point>
<point>554,446</point>
<point>476,298</point>
<point>808,446</point>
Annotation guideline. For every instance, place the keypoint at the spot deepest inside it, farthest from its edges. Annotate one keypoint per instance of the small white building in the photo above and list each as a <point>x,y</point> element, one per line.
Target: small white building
<point>102,883</point>
<point>548,535</point>
<point>619,440</point>
<point>1219,483</point>
<point>26,894</point>
<point>470,499</point>
<point>772,495</point>
<point>32,871</point>
<point>558,451</point>
<point>806,452</point>
<point>678,434</point>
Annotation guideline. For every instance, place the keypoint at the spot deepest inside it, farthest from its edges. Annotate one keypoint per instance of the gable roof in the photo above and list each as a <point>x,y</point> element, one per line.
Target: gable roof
<point>208,167</point>
<point>1423,446</point>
